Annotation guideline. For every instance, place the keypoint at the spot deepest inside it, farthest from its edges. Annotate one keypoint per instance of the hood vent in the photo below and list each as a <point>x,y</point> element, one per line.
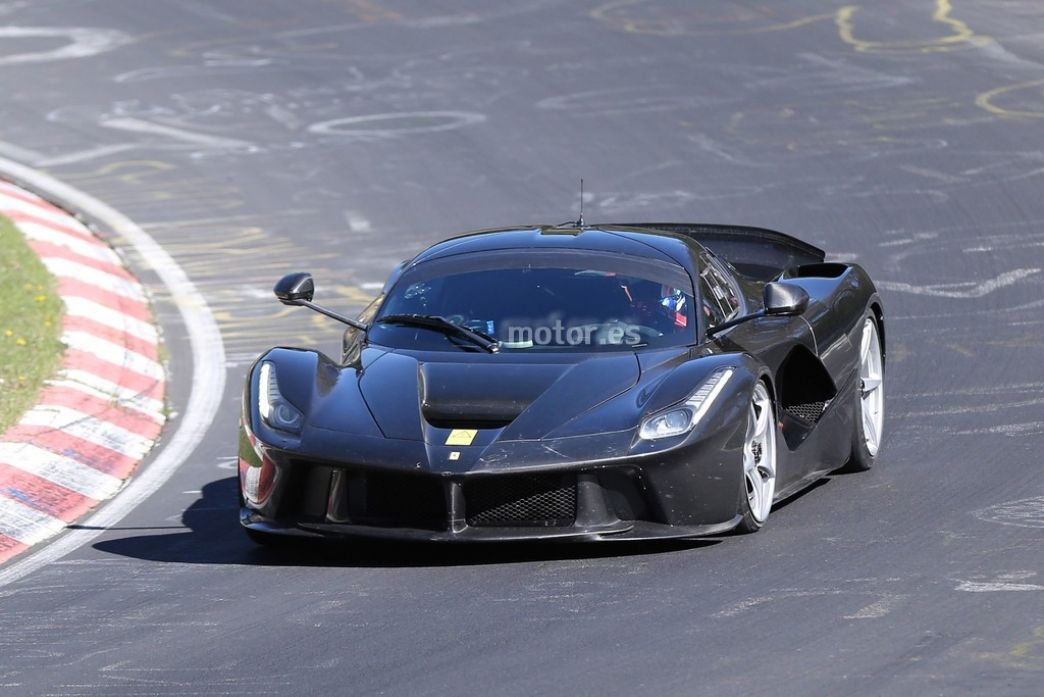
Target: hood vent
<point>461,395</point>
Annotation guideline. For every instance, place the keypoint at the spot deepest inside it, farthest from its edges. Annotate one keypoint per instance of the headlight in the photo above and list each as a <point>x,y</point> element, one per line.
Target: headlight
<point>275,410</point>
<point>682,418</point>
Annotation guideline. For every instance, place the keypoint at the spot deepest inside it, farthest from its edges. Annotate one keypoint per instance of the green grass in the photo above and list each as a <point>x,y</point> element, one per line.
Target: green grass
<point>30,325</point>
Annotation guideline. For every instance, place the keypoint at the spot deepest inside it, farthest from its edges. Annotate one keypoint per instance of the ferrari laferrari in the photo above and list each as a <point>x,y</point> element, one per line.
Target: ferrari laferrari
<point>575,383</point>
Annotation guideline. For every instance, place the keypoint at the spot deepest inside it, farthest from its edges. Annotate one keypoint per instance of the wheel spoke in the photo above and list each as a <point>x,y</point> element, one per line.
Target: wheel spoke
<point>754,494</point>
<point>759,454</point>
<point>765,423</point>
<point>871,386</point>
<point>870,429</point>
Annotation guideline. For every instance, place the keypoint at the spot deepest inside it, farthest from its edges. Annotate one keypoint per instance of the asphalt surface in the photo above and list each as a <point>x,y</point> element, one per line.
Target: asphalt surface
<point>256,137</point>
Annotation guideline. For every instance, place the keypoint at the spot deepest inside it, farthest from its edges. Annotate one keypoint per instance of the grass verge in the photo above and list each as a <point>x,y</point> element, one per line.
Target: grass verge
<point>30,325</point>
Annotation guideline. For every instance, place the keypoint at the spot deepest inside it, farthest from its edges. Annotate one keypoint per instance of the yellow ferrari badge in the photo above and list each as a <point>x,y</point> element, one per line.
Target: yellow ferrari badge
<point>461,436</point>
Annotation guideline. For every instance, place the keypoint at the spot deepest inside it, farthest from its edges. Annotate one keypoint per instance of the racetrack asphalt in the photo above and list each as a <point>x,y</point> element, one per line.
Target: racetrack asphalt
<point>255,137</point>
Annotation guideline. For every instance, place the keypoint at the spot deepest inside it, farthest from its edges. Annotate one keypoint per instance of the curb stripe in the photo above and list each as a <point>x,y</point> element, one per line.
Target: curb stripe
<point>150,401</point>
<point>97,420</point>
<point>80,307</point>
<point>144,406</point>
<point>141,423</point>
<point>47,249</point>
<point>93,430</point>
<point>30,205</point>
<point>143,347</point>
<point>77,359</point>
<point>64,268</point>
<point>40,218</point>
<point>75,244</point>
<point>91,454</point>
<point>42,494</point>
<point>13,191</point>
<point>58,469</point>
<point>114,354</point>
<point>10,548</point>
<point>114,301</point>
<point>145,425</point>
<point>25,524</point>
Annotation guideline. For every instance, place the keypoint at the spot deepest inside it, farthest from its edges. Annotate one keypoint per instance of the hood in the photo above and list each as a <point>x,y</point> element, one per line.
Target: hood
<point>462,412</point>
<point>425,397</point>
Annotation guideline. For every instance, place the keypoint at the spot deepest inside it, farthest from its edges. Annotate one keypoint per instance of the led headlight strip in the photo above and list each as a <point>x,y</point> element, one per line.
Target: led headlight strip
<point>275,410</point>
<point>684,417</point>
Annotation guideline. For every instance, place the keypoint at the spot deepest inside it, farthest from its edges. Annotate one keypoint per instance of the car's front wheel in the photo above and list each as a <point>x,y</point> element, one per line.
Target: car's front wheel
<point>869,412</point>
<point>759,461</point>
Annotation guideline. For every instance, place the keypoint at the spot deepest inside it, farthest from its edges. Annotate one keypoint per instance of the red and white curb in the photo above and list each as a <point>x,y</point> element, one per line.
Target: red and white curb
<point>101,413</point>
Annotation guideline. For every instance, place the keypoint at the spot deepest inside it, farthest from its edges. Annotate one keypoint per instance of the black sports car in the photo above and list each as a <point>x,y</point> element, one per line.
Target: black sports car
<point>610,382</point>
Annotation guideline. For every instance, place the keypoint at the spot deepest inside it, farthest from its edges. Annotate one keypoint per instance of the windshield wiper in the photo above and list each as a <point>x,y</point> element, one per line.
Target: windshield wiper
<point>481,339</point>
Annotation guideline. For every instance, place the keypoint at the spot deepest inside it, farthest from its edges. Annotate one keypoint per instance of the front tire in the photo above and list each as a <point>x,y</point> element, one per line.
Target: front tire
<point>759,462</point>
<point>869,398</point>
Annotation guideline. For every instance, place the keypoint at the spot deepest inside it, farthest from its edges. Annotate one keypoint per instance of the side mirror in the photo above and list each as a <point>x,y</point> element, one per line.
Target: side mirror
<point>292,288</point>
<point>784,299</point>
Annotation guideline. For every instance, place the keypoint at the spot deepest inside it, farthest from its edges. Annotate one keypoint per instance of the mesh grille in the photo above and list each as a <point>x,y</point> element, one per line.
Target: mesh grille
<point>537,500</point>
<point>809,412</point>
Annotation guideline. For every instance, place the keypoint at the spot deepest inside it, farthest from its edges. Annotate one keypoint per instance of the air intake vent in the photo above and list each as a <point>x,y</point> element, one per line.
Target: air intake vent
<point>521,500</point>
<point>809,412</point>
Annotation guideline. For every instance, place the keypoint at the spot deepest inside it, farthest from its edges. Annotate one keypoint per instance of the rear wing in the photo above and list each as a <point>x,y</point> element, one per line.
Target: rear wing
<point>756,252</point>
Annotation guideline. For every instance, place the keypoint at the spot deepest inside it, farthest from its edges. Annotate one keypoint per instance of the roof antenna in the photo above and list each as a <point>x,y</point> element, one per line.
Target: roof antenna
<point>580,222</point>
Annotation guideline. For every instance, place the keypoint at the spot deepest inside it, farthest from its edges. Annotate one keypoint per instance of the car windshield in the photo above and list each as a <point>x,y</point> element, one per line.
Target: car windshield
<point>539,300</point>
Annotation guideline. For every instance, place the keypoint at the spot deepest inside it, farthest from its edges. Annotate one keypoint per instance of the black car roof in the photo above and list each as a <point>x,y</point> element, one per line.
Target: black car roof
<point>652,244</point>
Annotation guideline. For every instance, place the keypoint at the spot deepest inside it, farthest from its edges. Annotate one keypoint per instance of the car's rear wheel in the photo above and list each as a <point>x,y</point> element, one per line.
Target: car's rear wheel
<point>759,461</point>
<point>869,412</point>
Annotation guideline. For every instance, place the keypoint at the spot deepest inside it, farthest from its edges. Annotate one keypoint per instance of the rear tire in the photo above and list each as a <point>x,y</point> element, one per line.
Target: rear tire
<point>759,462</point>
<point>868,419</point>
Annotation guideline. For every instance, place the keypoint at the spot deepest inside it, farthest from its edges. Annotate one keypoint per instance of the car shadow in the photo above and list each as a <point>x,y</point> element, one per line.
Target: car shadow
<point>212,535</point>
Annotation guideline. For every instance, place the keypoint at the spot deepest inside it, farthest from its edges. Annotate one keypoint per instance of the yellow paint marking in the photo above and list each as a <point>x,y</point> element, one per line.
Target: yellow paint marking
<point>986,100</point>
<point>1021,654</point>
<point>961,35</point>
<point>139,171</point>
<point>461,436</point>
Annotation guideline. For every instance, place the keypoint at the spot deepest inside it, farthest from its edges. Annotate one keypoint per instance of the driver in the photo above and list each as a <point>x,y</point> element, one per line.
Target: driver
<point>659,306</point>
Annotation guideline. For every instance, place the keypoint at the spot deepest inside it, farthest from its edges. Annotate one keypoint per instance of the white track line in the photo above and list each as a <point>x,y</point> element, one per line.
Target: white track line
<point>208,372</point>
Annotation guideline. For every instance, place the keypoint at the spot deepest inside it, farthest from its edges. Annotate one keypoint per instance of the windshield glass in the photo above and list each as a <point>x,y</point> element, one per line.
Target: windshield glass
<point>536,300</point>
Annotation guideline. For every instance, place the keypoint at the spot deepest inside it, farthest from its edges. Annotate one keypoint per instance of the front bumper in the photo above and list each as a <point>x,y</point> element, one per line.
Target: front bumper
<point>622,531</point>
<point>684,492</point>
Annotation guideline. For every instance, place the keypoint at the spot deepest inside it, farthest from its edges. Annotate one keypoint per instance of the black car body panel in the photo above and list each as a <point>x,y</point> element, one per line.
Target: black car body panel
<point>552,448</point>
